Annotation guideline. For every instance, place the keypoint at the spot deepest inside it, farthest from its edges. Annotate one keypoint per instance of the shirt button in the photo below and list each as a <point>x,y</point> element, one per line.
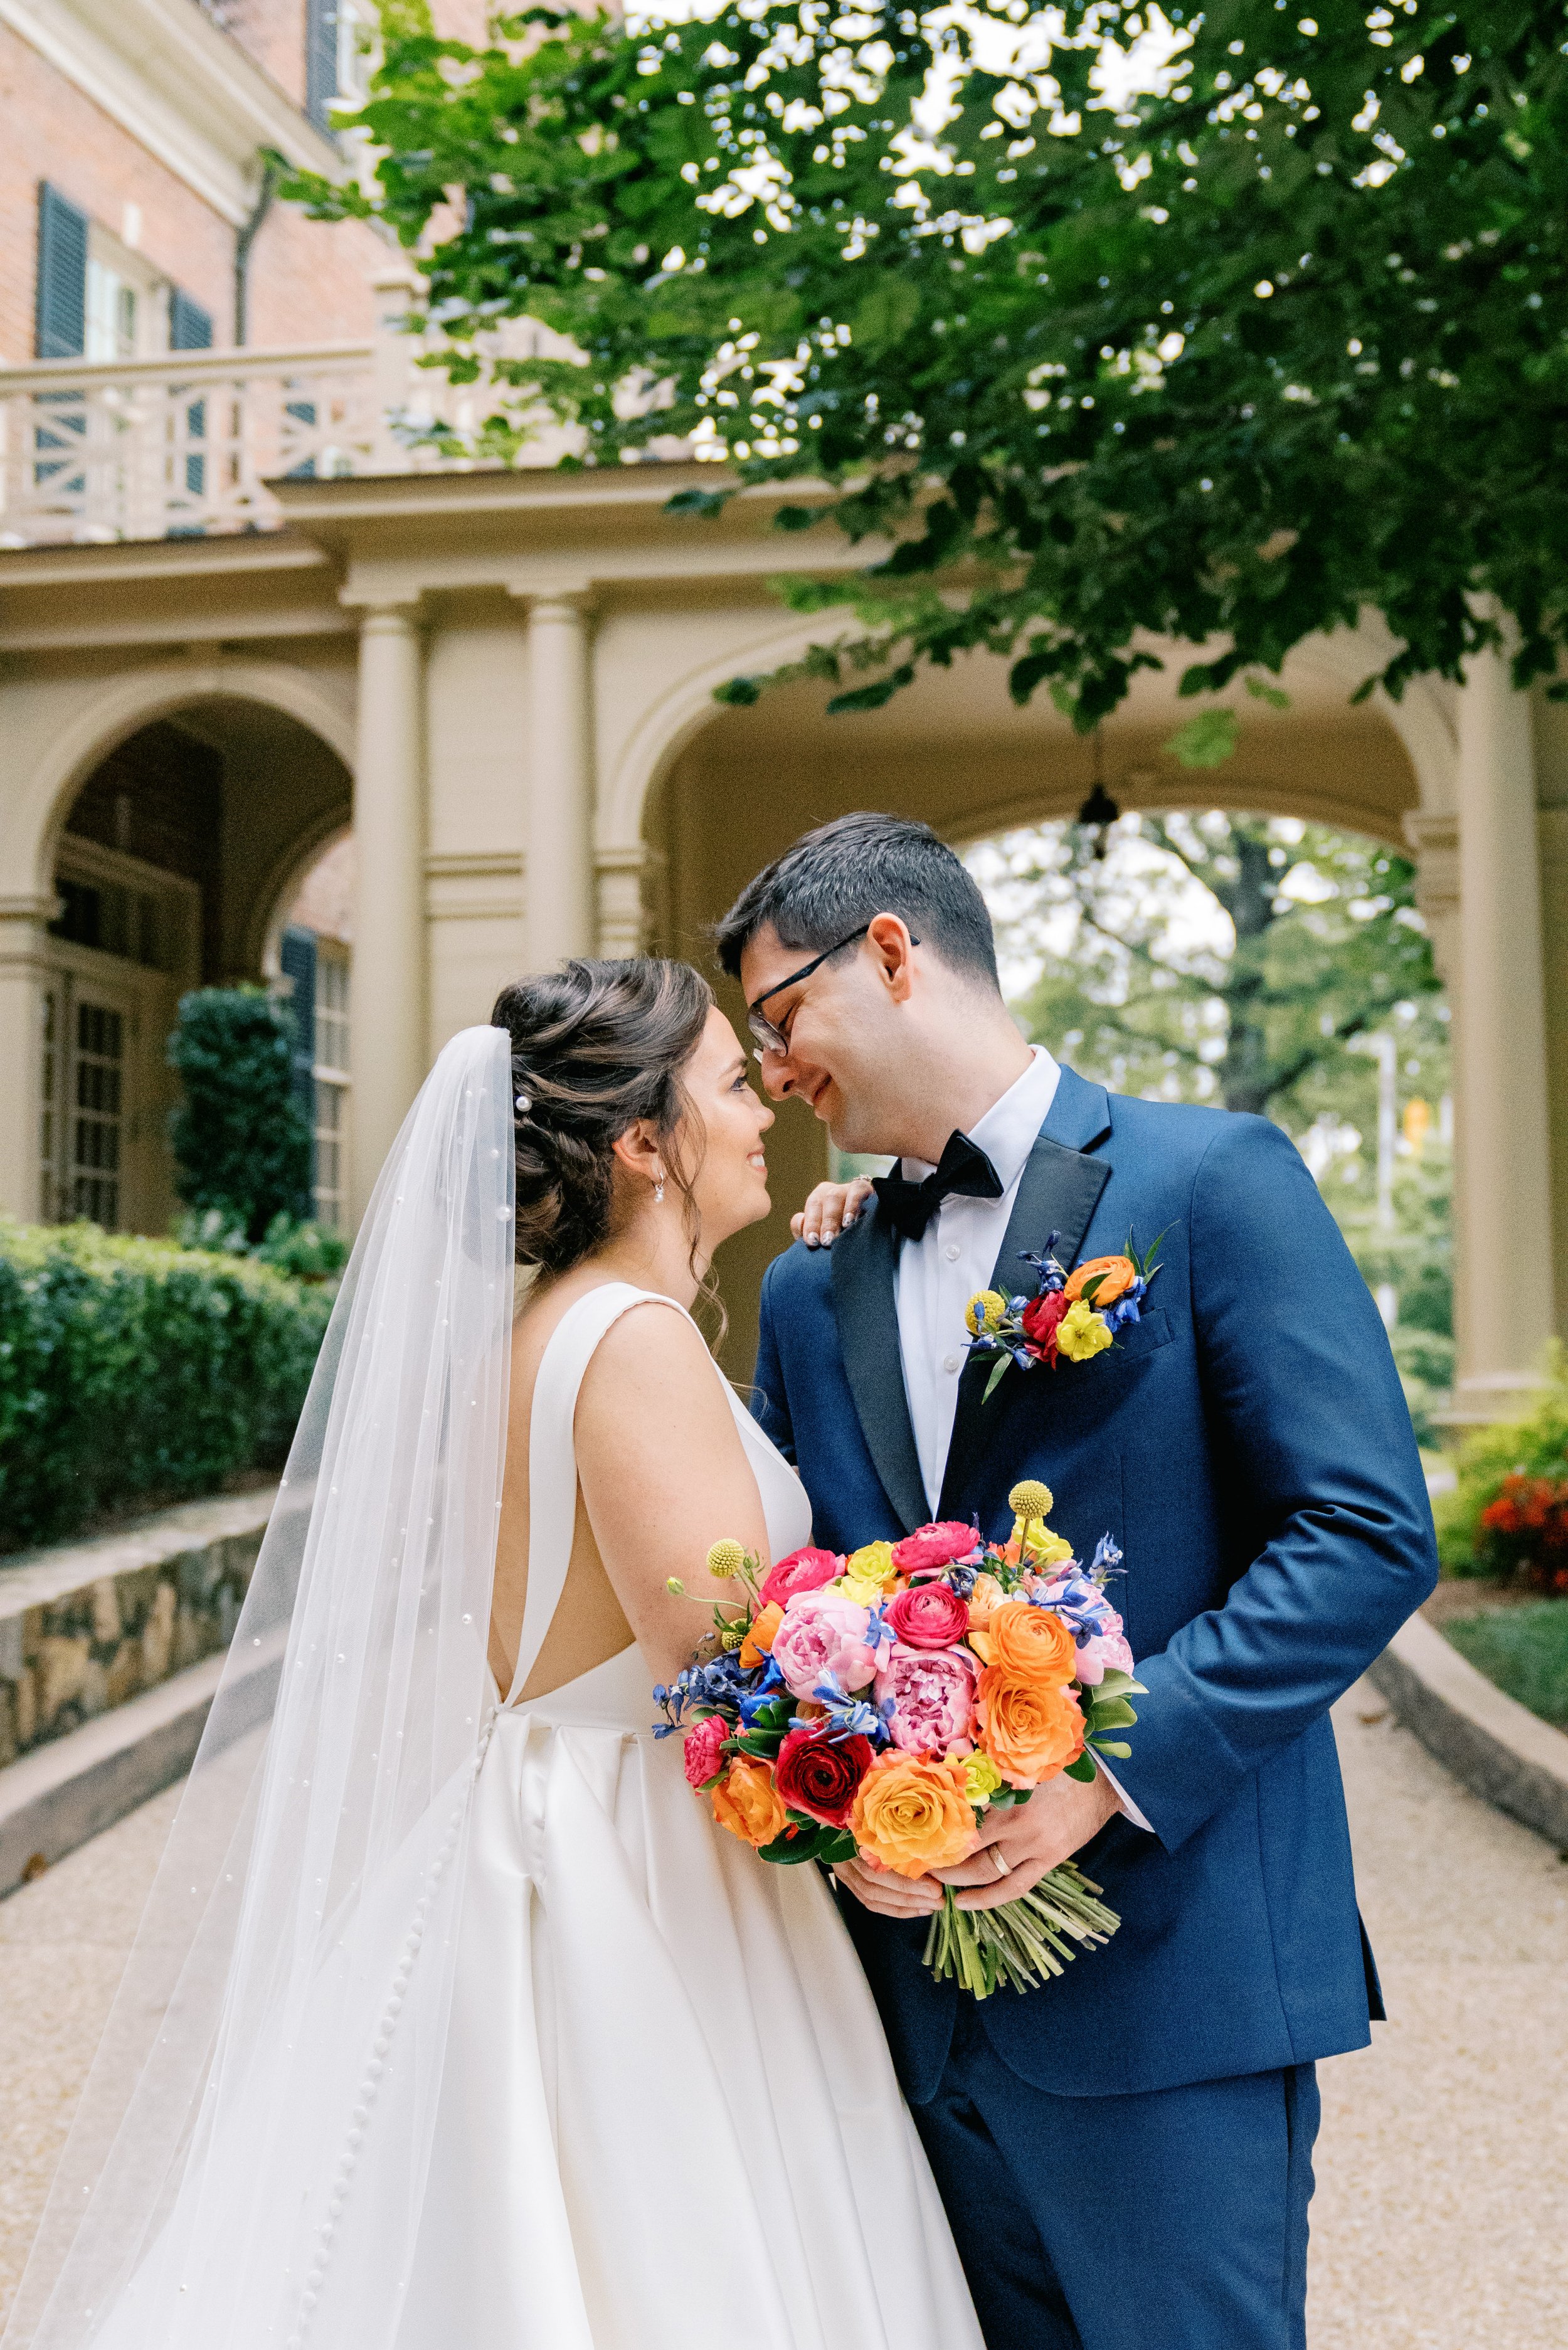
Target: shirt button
<point>953,1363</point>
<point>951,1253</point>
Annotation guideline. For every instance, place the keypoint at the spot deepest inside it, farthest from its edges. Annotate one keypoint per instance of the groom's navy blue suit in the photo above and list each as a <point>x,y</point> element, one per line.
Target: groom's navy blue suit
<point>1125,2153</point>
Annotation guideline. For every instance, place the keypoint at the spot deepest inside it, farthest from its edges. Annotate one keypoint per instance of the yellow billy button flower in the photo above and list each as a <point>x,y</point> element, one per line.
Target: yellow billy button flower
<point>986,1311</point>
<point>1082,1334</point>
<point>1030,1499</point>
<point>981,1778</point>
<point>725,1560</point>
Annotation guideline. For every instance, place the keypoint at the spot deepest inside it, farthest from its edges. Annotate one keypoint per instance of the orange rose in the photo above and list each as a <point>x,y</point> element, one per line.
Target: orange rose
<point>746,1802</point>
<point>760,1638</point>
<point>912,1814</point>
<point>1116,1273</point>
<point>1030,1729</point>
<point>1032,1644</point>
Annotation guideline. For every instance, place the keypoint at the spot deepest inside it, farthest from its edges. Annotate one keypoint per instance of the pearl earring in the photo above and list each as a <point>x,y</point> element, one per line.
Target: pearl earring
<point>658,1189</point>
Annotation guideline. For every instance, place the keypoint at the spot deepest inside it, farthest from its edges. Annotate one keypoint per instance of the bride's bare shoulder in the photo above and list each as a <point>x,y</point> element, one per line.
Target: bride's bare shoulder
<point>651,1345</point>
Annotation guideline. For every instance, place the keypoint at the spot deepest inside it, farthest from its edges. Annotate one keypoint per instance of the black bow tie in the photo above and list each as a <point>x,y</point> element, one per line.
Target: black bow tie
<point>963,1168</point>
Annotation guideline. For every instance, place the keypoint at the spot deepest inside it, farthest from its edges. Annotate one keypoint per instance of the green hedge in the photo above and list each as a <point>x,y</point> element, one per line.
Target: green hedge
<point>1534,1449</point>
<point>136,1371</point>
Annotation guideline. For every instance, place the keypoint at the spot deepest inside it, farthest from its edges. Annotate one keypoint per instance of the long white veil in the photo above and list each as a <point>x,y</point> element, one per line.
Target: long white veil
<point>252,2146</point>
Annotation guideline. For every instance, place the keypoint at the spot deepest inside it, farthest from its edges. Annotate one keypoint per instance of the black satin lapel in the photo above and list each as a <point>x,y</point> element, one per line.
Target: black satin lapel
<point>1059,1191</point>
<point>868,1317</point>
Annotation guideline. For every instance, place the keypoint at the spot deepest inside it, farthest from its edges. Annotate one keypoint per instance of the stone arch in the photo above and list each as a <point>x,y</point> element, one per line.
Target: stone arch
<point>119,710</point>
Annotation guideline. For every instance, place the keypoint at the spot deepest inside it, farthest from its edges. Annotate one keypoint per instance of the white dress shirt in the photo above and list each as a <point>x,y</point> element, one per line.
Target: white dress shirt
<point>936,1276</point>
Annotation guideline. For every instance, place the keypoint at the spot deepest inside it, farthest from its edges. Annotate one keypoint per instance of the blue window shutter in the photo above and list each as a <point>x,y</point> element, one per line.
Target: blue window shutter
<point>321,60</point>
<point>190,328</point>
<point>60,329</point>
<point>297,959</point>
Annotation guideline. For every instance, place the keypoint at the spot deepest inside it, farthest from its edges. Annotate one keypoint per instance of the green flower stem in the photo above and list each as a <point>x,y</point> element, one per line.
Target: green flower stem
<point>1021,1942</point>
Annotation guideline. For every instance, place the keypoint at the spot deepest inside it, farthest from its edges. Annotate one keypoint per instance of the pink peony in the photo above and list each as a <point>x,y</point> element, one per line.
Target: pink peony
<point>824,1637</point>
<point>930,1615</point>
<point>1107,1652</point>
<point>700,1753</point>
<point>932,1691</point>
<point>933,1546</point>
<point>803,1570</point>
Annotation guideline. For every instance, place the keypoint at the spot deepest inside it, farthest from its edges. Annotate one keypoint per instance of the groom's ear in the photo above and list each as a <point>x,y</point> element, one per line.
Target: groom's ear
<point>889,941</point>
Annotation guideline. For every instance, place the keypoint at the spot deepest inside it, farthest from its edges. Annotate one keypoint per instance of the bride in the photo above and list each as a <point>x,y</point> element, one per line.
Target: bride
<point>454,2020</point>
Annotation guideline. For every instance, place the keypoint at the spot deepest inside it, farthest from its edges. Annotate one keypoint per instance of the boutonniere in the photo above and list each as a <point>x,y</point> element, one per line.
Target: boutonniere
<point>1075,1314</point>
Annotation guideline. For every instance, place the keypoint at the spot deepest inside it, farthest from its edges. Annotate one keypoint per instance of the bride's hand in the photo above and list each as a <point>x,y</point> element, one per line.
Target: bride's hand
<point>831,1209</point>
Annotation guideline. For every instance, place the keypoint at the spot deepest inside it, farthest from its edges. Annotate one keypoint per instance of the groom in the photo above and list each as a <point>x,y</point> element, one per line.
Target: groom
<point>1125,2153</point>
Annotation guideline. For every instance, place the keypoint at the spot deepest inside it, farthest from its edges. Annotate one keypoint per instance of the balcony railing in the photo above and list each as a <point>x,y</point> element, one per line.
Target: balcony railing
<point>185,445</point>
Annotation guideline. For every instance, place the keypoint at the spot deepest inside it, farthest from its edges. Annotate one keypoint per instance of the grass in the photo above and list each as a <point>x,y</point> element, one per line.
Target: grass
<point>1525,1650</point>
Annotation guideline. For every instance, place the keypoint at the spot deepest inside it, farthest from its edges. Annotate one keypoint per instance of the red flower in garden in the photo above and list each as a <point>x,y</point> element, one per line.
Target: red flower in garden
<point>818,1774</point>
<point>1527,1525</point>
<point>1040,1318</point>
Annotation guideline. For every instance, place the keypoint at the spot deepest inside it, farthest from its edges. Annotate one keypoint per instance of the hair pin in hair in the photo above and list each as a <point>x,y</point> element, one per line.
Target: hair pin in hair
<point>525,1101</point>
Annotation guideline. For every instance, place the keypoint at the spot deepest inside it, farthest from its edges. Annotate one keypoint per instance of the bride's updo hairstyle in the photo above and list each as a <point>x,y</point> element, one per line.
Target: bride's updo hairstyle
<point>595,1047</point>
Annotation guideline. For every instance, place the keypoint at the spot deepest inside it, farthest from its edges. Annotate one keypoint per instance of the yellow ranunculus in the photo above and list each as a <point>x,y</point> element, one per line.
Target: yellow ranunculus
<point>1044,1549</point>
<point>981,1777</point>
<point>851,1587</point>
<point>1082,1333</point>
<point>986,1310</point>
<point>872,1564</point>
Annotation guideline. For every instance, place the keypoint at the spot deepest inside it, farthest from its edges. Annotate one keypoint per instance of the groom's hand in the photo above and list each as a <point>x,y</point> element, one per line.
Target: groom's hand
<point>1058,1820</point>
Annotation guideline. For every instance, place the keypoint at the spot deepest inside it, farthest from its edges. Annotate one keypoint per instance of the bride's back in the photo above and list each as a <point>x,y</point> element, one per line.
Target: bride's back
<point>638,1150</point>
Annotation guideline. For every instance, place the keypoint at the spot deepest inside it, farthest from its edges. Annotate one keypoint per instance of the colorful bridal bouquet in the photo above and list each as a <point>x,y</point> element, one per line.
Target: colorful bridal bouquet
<point>882,1703</point>
<point>1074,1316</point>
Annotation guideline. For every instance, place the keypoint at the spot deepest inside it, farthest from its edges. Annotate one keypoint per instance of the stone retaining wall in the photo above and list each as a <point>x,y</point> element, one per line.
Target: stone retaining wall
<point>89,1626</point>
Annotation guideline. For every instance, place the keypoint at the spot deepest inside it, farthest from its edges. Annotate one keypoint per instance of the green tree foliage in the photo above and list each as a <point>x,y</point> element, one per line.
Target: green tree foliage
<point>1227,327</point>
<point>242,1144</point>
<point>1214,956</point>
<point>134,1371</point>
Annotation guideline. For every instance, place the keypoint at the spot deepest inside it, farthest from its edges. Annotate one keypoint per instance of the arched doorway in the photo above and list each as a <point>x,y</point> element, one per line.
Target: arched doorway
<point>954,752</point>
<point>166,869</point>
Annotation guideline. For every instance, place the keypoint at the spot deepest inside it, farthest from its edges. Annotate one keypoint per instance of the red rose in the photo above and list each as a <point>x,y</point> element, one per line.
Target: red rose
<point>1040,1318</point>
<point>928,1615</point>
<point>818,1774</point>
<point>703,1749</point>
<point>803,1570</point>
<point>930,1547</point>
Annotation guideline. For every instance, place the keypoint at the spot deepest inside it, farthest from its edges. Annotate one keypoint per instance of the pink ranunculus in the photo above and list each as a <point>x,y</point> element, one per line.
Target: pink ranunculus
<point>824,1637</point>
<point>1107,1652</point>
<point>701,1753</point>
<point>933,1546</point>
<point>928,1615</point>
<point>933,1692</point>
<point>803,1570</point>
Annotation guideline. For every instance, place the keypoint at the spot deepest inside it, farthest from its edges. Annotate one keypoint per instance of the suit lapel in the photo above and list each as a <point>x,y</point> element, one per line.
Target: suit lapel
<point>867,1313</point>
<point>1058,1193</point>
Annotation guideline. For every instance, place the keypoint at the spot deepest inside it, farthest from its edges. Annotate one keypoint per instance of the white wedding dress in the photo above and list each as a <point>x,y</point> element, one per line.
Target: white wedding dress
<point>668,2119</point>
<point>454,2023</point>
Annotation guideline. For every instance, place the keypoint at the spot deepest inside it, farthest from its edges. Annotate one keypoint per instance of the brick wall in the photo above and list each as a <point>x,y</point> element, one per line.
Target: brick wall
<point>308,282</point>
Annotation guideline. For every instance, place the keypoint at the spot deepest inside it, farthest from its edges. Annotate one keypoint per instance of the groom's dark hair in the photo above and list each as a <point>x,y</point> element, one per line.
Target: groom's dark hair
<point>843,874</point>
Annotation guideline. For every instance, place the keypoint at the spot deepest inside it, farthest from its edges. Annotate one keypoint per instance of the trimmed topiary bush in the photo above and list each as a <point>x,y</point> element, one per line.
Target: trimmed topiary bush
<point>138,1371</point>
<point>242,1142</point>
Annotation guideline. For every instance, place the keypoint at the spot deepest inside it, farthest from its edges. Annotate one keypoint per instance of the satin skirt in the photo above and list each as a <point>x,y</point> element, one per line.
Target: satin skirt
<point>667,2116</point>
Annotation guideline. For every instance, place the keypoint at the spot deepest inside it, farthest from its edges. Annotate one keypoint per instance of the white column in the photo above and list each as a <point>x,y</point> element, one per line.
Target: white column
<point>389,989</point>
<point>1503,1258</point>
<point>560,872</point>
<point>622,918</point>
<point>22,966</point>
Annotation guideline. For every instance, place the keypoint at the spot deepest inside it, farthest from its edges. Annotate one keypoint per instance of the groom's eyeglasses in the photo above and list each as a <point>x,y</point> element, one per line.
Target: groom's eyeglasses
<point>773,1039</point>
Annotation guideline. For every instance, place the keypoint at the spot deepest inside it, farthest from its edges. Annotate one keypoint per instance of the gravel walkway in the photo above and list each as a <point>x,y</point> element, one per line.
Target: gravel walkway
<point>1440,2221</point>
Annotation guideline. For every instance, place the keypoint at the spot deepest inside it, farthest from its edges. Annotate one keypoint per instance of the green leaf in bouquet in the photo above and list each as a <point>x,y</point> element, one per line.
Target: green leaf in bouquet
<point>809,1841</point>
<point>1111,1713</point>
<point>1002,1363</point>
<point>1117,1747</point>
<point>1119,1684</point>
<point>1084,1768</point>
